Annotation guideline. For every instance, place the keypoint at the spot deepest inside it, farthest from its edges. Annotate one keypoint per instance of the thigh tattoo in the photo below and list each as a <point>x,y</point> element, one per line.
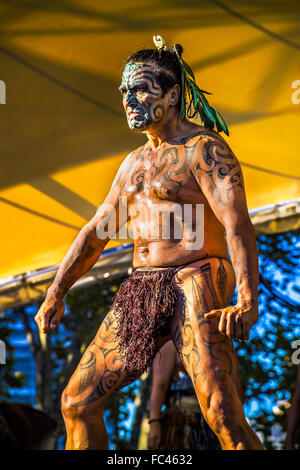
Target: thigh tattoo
<point>109,363</point>
<point>217,346</point>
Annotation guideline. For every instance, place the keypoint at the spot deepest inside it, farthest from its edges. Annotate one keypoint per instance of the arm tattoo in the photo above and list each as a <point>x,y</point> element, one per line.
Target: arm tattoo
<point>219,163</point>
<point>76,262</point>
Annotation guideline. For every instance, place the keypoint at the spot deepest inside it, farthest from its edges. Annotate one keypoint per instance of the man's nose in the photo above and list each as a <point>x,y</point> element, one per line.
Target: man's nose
<point>130,98</point>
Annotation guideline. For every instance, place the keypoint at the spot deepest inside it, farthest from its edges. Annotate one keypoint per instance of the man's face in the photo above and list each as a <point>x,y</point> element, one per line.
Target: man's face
<point>142,96</point>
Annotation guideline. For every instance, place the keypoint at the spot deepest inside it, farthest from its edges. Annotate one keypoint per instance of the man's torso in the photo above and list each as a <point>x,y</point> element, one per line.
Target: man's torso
<point>164,201</point>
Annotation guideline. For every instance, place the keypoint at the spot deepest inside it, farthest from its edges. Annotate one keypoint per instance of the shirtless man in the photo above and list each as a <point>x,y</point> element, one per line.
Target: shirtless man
<point>179,291</point>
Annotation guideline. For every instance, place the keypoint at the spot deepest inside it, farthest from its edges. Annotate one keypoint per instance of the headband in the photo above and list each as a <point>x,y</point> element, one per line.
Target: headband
<point>193,101</point>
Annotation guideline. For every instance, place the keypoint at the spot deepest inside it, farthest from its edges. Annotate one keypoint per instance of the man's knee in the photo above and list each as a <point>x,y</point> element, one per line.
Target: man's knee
<point>75,407</point>
<point>223,406</point>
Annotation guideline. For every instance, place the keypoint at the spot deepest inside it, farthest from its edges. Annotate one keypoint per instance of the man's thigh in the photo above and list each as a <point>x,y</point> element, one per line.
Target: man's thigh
<point>208,355</point>
<point>100,371</point>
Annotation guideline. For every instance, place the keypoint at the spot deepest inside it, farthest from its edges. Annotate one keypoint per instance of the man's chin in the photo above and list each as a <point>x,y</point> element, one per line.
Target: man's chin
<point>138,126</point>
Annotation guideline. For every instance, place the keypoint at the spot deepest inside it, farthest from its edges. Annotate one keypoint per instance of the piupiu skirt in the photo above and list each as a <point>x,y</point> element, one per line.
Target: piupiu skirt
<point>144,305</point>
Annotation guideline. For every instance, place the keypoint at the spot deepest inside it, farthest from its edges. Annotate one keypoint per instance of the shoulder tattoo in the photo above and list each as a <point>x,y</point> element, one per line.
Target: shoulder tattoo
<point>218,162</point>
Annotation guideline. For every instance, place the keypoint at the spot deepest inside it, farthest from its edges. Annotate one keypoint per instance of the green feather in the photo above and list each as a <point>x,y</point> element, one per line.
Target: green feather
<point>200,96</point>
<point>193,95</point>
<point>206,92</point>
<point>206,107</point>
<point>221,122</point>
<point>206,121</point>
<point>188,69</point>
<point>182,107</point>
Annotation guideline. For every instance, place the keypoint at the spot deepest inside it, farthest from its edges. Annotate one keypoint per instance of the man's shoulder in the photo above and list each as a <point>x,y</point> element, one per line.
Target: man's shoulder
<point>204,133</point>
<point>211,147</point>
<point>196,137</point>
<point>204,139</point>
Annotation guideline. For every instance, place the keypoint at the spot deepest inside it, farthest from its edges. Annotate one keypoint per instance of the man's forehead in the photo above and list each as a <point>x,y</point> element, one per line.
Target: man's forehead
<point>135,69</point>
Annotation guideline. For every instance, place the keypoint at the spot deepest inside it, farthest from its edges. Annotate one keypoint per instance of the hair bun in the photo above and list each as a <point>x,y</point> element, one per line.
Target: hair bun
<point>179,49</point>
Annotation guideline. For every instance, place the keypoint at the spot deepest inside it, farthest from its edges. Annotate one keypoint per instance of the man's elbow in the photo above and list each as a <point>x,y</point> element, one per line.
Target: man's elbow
<point>242,226</point>
<point>92,235</point>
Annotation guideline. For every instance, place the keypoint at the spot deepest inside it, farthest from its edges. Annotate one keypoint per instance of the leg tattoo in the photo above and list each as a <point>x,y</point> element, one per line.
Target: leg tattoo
<point>216,347</point>
<point>222,280</point>
<point>109,363</point>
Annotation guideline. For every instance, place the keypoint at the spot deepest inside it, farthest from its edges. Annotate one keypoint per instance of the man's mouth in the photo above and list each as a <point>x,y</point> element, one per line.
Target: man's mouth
<point>133,112</point>
<point>135,115</point>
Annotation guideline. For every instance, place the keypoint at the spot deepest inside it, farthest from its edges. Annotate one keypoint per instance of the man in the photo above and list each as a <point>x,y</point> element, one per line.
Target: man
<point>180,289</point>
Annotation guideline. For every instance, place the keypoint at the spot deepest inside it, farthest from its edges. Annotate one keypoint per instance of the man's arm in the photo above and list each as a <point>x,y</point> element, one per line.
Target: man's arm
<point>163,366</point>
<point>220,178</point>
<point>83,253</point>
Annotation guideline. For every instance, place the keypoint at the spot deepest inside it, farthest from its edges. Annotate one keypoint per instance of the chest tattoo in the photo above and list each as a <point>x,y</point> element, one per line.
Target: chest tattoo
<point>168,166</point>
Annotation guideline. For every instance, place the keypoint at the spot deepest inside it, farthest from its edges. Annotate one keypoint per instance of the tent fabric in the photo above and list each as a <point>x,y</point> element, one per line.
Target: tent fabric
<point>63,130</point>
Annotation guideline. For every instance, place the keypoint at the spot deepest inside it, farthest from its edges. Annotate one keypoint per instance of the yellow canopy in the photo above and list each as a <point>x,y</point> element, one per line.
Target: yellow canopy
<point>63,131</point>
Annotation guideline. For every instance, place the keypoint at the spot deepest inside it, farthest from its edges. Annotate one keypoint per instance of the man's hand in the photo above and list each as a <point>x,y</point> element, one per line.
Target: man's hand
<point>235,321</point>
<point>154,436</point>
<point>50,313</point>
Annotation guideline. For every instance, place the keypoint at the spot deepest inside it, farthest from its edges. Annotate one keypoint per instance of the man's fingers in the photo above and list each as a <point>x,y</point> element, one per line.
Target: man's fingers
<point>242,330</point>
<point>245,330</point>
<point>48,319</point>
<point>44,324</point>
<point>222,324</point>
<point>230,325</point>
<point>239,328</point>
<point>55,319</point>
<point>213,313</point>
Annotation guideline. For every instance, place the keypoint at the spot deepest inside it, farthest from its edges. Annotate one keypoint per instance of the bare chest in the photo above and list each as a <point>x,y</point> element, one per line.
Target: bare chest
<point>164,174</point>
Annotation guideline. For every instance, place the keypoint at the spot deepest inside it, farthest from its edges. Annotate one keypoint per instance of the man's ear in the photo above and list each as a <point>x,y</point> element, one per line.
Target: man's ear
<point>174,94</point>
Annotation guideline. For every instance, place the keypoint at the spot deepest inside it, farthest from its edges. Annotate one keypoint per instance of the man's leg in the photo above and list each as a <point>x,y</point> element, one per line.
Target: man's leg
<point>208,355</point>
<point>97,376</point>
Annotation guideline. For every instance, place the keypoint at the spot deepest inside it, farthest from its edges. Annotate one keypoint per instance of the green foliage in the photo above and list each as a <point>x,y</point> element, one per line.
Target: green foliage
<point>268,374</point>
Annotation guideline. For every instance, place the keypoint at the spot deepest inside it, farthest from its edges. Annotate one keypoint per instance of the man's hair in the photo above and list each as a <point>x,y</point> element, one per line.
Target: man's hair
<point>167,68</point>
